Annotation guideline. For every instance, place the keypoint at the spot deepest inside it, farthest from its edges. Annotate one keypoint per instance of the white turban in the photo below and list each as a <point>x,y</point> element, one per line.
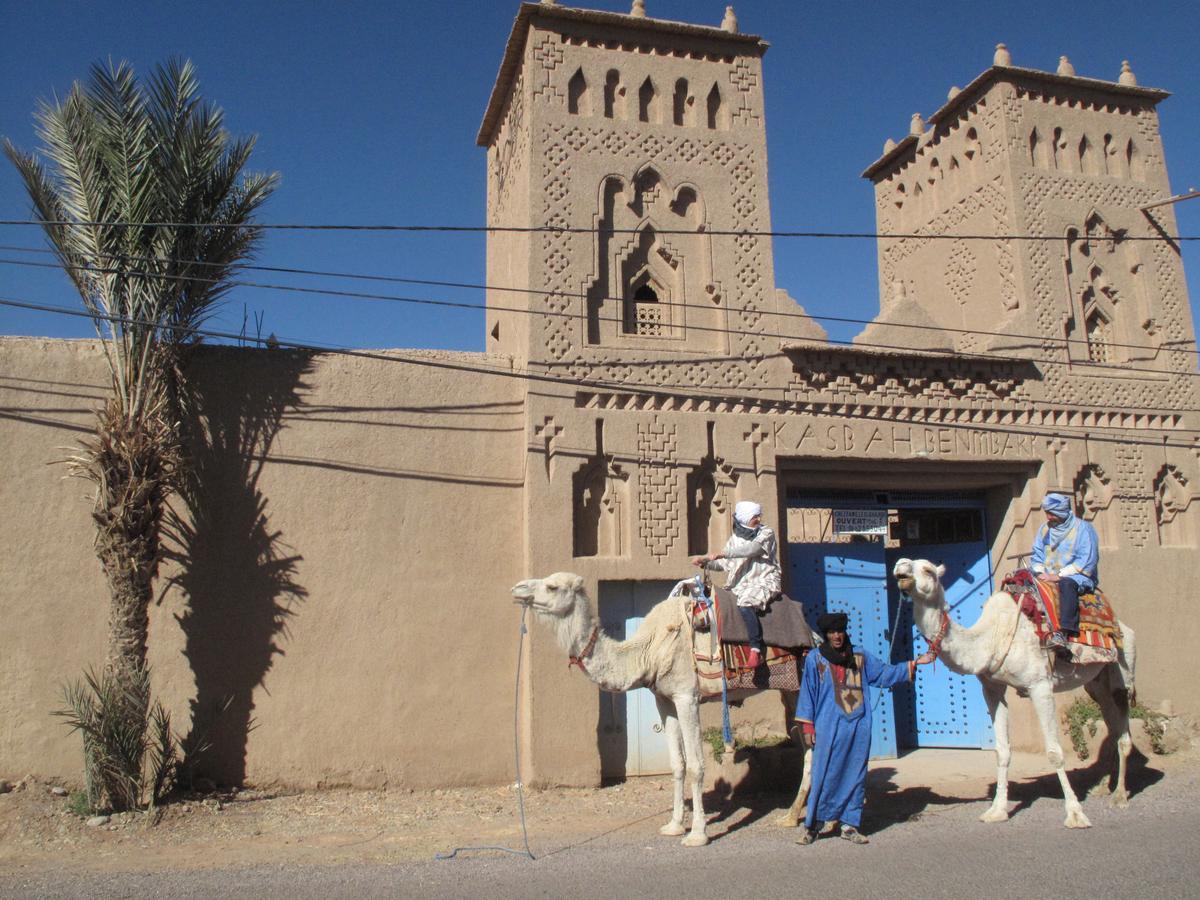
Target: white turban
<point>746,510</point>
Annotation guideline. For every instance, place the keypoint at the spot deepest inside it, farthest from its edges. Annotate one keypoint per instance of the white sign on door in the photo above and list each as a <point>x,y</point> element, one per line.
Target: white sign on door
<point>860,521</point>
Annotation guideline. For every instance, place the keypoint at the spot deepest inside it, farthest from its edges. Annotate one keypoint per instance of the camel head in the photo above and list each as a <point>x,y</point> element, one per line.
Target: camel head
<point>555,595</point>
<point>918,577</point>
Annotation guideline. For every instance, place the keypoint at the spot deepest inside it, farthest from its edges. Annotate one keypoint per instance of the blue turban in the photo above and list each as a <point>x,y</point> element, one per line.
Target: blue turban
<point>1058,505</point>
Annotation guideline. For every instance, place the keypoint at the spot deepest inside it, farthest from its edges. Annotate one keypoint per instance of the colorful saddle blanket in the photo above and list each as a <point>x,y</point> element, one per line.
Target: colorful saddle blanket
<point>1099,638</point>
<point>780,672</point>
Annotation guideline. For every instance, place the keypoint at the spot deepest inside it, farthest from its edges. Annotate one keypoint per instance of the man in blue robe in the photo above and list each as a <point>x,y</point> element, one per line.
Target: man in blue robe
<point>1066,551</point>
<point>834,712</point>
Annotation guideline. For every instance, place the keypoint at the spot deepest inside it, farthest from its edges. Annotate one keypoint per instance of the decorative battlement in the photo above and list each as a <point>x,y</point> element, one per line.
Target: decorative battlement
<point>634,33</point>
<point>1062,88</point>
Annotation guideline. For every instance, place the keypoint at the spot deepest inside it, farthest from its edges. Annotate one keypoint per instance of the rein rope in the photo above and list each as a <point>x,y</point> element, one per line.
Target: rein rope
<point>935,645</point>
<point>585,653</point>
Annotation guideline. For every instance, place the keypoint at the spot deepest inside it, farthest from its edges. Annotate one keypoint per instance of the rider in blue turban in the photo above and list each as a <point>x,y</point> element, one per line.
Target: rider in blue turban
<point>1066,551</point>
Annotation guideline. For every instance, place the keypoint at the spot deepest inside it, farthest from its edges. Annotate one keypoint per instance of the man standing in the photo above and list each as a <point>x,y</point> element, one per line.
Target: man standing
<point>834,712</point>
<point>1067,552</point>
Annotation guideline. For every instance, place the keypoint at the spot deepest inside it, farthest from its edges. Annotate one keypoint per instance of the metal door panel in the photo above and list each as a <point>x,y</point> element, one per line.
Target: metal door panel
<point>943,709</point>
<point>631,737</point>
<point>850,578</point>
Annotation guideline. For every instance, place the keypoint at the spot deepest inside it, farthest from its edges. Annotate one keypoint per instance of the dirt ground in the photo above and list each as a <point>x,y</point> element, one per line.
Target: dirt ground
<point>253,827</point>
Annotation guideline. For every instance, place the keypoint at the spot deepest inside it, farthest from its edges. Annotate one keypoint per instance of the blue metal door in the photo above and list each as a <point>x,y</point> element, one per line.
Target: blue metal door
<point>850,578</point>
<point>942,709</point>
<point>631,737</point>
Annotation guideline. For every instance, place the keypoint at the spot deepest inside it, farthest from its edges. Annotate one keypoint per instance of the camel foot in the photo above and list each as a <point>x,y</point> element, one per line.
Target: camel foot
<point>1076,819</point>
<point>672,829</point>
<point>788,820</point>
<point>1099,790</point>
<point>695,840</point>
<point>995,814</point>
<point>1119,799</point>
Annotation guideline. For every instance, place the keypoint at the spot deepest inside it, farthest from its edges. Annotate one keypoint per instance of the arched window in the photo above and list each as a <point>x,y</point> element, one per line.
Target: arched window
<point>577,95</point>
<point>613,96</point>
<point>647,102</point>
<point>680,102</point>
<point>645,313</point>
<point>714,107</point>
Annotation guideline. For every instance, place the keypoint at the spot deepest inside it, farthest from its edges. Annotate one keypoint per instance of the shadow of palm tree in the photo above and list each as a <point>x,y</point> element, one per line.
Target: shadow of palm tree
<point>237,576</point>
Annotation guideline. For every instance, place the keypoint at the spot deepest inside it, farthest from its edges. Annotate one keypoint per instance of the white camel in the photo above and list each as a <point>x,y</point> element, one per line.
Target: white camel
<point>1002,649</point>
<point>660,657</point>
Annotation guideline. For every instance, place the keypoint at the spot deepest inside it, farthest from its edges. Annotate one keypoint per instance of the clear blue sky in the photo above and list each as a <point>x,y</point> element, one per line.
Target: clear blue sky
<point>369,111</point>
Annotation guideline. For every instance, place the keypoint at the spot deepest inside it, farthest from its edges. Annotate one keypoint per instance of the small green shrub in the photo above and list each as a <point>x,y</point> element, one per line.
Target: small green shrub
<point>1082,716</point>
<point>79,804</point>
<point>128,758</point>
<point>1155,724</point>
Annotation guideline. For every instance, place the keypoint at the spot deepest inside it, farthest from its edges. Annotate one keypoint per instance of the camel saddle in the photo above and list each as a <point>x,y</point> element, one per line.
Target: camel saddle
<point>1099,638</point>
<point>723,652</point>
<point>783,622</point>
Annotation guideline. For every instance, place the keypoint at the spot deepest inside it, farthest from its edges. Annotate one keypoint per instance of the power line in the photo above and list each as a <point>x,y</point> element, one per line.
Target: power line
<point>569,229</point>
<point>1066,342</point>
<point>475,307</point>
<point>761,405</point>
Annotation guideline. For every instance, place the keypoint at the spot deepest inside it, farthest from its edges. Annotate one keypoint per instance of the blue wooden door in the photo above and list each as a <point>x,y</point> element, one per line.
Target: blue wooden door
<point>942,709</point>
<point>630,733</point>
<point>850,578</point>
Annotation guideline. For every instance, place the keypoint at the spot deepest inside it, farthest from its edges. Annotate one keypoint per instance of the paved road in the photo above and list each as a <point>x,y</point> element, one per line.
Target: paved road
<point>924,844</point>
<point>920,847</point>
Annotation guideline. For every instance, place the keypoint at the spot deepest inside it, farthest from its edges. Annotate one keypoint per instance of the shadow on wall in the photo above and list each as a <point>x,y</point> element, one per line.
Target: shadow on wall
<point>238,577</point>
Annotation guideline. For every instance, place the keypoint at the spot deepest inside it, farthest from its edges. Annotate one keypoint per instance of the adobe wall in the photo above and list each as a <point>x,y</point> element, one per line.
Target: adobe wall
<point>349,593</point>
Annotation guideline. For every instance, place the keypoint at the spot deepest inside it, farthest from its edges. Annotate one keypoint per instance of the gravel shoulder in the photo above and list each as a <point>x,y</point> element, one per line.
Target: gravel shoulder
<point>38,834</point>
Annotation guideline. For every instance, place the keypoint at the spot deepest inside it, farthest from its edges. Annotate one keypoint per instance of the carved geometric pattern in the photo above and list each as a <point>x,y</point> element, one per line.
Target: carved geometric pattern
<point>742,77</point>
<point>659,515</point>
<point>548,55</point>
<point>1047,191</point>
<point>988,199</point>
<point>1137,505</point>
<point>960,272</point>
<point>561,190</point>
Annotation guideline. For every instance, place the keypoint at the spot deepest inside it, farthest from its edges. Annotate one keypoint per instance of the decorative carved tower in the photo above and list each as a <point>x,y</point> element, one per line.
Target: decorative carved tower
<point>1071,163</point>
<point>642,143</point>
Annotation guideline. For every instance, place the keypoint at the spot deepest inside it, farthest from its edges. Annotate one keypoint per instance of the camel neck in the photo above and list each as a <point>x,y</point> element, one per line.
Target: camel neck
<point>609,662</point>
<point>958,646</point>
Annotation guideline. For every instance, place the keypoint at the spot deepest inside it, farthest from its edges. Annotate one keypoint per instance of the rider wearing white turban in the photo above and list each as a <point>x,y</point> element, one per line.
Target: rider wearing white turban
<point>751,562</point>
<point>745,510</point>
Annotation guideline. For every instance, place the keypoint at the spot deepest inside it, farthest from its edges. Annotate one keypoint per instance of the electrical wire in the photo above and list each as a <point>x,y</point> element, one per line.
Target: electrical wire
<point>568,229</point>
<point>762,405</point>
<point>475,307</point>
<point>1067,342</point>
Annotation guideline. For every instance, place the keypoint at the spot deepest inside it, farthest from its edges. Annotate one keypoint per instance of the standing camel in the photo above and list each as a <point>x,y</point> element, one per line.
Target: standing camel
<point>1002,650</point>
<point>659,656</point>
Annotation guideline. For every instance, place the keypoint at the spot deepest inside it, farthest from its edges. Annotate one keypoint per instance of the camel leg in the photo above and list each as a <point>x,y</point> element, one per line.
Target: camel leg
<point>1042,695</point>
<point>1113,701</point>
<point>688,710</point>
<point>996,697</point>
<point>795,814</point>
<point>670,721</point>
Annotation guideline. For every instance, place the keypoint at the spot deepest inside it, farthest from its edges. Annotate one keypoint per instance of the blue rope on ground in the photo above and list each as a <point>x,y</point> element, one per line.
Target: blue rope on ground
<point>517,761</point>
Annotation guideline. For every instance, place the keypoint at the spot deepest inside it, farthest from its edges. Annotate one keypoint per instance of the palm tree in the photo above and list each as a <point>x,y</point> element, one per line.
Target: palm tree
<point>143,199</point>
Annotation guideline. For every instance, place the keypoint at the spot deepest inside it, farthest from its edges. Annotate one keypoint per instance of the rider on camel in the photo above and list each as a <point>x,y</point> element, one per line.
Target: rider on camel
<point>1066,551</point>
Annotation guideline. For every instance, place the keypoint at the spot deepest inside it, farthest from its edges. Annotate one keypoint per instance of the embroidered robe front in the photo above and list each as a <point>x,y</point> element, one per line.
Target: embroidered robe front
<point>840,713</point>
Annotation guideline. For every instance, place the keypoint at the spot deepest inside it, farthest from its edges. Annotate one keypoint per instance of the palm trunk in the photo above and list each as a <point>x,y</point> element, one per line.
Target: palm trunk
<point>132,462</point>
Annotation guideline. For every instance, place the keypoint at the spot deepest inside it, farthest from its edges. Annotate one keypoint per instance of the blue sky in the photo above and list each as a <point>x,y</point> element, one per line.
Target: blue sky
<point>369,111</point>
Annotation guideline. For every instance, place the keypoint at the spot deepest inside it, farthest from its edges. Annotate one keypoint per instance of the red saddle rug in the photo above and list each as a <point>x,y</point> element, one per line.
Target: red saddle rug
<point>1099,636</point>
<point>780,671</point>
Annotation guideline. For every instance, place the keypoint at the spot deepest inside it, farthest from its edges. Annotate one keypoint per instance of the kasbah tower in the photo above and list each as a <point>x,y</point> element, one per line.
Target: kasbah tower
<point>669,377</point>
